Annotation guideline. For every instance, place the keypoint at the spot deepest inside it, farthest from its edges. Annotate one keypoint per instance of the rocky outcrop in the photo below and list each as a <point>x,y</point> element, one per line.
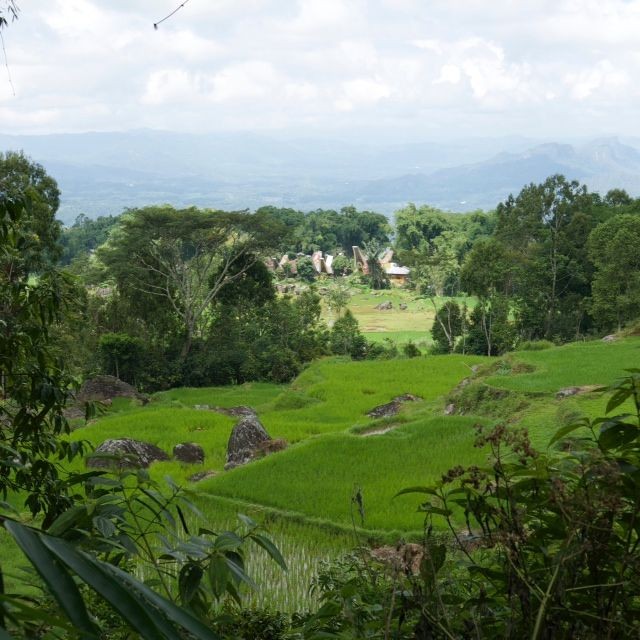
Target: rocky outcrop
<point>384,306</point>
<point>189,452</point>
<point>241,411</point>
<point>247,437</point>
<point>105,388</point>
<point>392,408</point>
<point>576,391</point>
<point>202,475</point>
<point>125,453</point>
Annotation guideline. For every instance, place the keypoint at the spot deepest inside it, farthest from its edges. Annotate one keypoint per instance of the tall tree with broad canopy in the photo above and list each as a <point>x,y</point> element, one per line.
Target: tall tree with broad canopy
<point>27,181</point>
<point>614,247</point>
<point>488,274</point>
<point>546,227</point>
<point>176,262</point>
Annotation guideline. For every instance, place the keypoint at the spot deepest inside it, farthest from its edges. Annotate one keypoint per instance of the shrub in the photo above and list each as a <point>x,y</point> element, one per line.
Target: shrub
<point>410,350</point>
<point>346,338</point>
<point>306,270</point>
<point>534,345</point>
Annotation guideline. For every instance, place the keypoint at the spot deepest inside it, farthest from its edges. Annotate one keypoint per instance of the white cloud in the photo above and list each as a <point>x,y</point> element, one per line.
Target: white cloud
<point>462,64</point>
<point>603,78</point>
<point>169,85</point>
<point>360,92</point>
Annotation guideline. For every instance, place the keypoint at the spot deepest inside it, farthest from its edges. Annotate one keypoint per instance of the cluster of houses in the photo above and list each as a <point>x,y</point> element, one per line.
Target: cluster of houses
<point>322,263</point>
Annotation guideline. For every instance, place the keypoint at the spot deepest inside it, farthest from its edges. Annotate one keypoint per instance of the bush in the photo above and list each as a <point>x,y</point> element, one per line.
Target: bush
<point>306,270</point>
<point>342,266</point>
<point>346,338</point>
<point>410,350</point>
<point>534,345</point>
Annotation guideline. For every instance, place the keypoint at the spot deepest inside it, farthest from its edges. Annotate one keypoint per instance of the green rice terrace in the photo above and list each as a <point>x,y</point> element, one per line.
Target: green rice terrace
<point>304,493</point>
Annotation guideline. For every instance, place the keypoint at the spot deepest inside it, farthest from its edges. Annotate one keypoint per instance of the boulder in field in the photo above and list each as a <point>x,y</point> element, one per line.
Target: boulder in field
<point>125,453</point>
<point>246,439</point>
<point>241,411</point>
<point>202,475</point>
<point>385,306</point>
<point>105,388</point>
<point>189,452</point>
<point>392,408</point>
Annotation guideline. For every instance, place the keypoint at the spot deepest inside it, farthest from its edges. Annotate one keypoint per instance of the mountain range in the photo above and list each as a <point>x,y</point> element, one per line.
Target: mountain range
<point>103,173</point>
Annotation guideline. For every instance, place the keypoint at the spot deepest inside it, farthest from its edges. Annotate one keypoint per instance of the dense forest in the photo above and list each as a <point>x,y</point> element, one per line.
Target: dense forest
<point>163,297</point>
<point>184,296</point>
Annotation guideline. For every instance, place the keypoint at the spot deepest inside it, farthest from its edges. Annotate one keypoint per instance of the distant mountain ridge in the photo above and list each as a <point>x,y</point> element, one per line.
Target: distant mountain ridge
<point>103,173</point>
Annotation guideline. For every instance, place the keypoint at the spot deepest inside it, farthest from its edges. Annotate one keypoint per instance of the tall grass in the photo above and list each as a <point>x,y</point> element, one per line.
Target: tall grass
<point>574,364</point>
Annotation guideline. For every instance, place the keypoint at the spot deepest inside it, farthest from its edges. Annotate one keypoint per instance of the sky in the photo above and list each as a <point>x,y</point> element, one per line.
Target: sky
<point>411,69</point>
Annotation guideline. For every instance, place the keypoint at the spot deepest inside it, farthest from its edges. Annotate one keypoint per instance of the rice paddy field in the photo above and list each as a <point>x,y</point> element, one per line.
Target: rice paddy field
<point>412,324</point>
<point>304,493</point>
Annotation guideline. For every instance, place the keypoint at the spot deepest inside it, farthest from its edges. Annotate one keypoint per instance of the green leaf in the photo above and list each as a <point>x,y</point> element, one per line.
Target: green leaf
<point>125,601</point>
<point>247,520</point>
<point>270,548</point>
<point>428,490</point>
<point>235,563</point>
<point>566,430</point>
<point>227,541</point>
<point>175,614</point>
<point>66,520</point>
<point>615,434</point>
<point>618,398</point>
<point>189,581</point>
<point>104,526</point>
<point>58,581</point>
<point>218,574</point>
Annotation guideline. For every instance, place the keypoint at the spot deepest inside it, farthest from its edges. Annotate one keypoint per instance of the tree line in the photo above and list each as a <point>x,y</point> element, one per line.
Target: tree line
<point>183,297</point>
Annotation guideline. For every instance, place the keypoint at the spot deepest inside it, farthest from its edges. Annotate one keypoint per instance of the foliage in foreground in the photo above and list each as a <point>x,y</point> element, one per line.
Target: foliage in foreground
<point>550,548</point>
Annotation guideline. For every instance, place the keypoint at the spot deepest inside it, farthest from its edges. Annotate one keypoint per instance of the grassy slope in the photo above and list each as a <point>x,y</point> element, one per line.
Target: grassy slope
<point>574,364</point>
<point>577,364</point>
<point>321,412</point>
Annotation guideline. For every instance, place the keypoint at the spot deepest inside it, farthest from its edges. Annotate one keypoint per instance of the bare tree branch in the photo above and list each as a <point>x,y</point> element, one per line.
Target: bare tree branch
<point>155,24</point>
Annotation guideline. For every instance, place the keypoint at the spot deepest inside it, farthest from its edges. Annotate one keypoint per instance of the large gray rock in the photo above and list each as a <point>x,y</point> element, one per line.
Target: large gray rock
<point>241,411</point>
<point>392,408</point>
<point>102,388</point>
<point>384,306</point>
<point>189,452</point>
<point>125,453</point>
<point>246,439</point>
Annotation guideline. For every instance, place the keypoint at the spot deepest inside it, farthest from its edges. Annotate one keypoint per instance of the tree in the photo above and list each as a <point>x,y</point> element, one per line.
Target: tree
<point>376,277</point>
<point>121,355</point>
<point>338,297</point>
<point>545,228</point>
<point>614,249</point>
<point>34,383</point>
<point>24,180</point>
<point>305,269</point>
<point>447,327</point>
<point>488,274</point>
<point>346,338</point>
<point>183,259</point>
<point>342,266</point>
<point>415,227</point>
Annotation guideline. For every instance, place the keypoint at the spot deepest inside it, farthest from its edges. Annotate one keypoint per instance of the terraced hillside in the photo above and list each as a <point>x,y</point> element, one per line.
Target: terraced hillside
<point>335,449</point>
